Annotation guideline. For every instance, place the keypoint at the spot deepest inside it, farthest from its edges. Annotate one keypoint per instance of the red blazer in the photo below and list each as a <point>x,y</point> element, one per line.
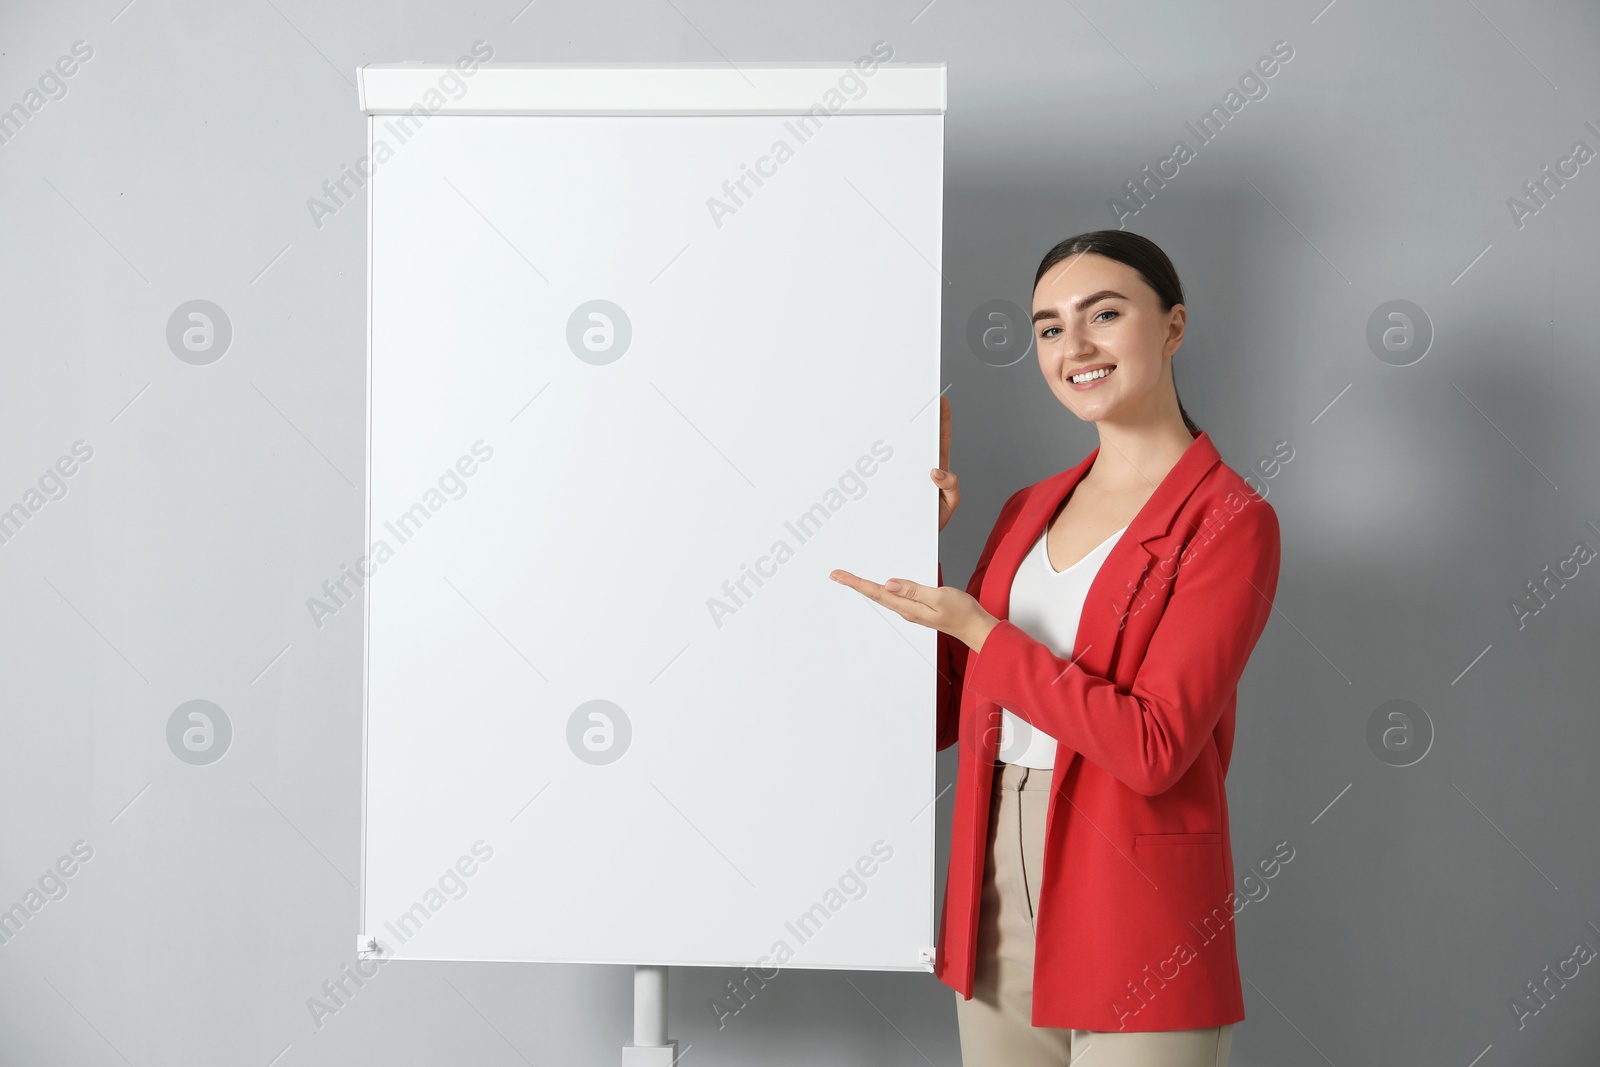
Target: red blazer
<point>1135,918</point>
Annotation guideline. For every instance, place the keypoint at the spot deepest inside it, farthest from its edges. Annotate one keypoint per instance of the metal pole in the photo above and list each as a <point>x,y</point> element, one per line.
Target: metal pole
<point>649,1005</point>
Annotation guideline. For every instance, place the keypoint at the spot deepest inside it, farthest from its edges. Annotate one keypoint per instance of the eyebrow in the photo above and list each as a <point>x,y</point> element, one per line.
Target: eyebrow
<point>1104,294</point>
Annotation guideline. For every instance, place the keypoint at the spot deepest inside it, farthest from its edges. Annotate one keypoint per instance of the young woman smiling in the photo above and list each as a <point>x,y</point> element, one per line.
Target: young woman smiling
<point>1089,677</point>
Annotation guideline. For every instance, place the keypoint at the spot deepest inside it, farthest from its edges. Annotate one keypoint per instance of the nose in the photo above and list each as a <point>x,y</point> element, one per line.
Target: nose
<point>1075,347</point>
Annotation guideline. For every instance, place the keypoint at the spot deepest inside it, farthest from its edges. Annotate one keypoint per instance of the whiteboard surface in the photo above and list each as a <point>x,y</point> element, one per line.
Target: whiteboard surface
<point>773,360</point>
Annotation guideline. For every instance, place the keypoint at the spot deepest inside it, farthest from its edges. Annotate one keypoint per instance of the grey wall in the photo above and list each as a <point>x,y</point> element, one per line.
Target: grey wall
<point>1420,501</point>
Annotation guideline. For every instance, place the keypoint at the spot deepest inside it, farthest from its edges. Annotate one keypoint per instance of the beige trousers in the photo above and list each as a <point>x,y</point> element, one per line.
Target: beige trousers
<point>996,1026</point>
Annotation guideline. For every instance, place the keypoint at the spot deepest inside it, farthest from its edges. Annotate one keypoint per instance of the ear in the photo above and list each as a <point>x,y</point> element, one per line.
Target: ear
<point>1175,328</point>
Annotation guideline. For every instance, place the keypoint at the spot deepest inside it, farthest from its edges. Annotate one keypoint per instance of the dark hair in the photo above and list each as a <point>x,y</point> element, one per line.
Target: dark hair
<point>1140,253</point>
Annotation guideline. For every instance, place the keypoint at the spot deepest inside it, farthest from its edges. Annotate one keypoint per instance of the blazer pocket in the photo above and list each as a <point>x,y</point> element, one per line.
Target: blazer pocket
<point>1212,838</point>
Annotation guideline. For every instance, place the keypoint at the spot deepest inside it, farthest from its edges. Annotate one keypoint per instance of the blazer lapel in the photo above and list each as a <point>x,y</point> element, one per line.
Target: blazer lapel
<point>995,596</point>
<point>1148,538</point>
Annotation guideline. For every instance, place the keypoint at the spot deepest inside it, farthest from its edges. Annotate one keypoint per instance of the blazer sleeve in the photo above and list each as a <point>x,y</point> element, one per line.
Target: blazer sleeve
<point>951,652</point>
<point>1147,737</point>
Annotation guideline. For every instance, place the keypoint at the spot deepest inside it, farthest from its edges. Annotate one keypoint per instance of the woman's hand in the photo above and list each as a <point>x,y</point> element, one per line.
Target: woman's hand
<point>949,485</point>
<point>942,607</point>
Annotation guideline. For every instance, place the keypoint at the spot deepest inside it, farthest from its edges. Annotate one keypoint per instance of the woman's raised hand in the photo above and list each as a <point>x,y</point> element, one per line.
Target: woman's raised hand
<point>949,485</point>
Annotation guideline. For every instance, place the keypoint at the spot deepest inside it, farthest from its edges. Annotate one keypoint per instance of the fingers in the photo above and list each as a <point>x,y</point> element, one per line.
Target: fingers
<point>949,485</point>
<point>868,589</point>
<point>904,598</point>
<point>944,432</point>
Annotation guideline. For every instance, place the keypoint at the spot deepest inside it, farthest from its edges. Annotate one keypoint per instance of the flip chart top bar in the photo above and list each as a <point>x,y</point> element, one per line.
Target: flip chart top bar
<point>652,89</point>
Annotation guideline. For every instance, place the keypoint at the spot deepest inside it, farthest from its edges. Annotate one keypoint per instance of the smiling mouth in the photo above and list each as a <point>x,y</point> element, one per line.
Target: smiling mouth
<point>1089,378</point>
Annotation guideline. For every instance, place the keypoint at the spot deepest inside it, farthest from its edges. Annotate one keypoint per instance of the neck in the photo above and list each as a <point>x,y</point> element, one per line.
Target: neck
<point>1136,457</point>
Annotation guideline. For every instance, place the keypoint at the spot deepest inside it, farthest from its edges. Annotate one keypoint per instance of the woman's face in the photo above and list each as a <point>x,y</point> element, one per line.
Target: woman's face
<point>1091,313</point>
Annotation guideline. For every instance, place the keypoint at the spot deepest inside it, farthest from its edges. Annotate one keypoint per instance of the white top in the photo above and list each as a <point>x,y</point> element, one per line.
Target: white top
<point>765,88</point>
<point>1046,604</point>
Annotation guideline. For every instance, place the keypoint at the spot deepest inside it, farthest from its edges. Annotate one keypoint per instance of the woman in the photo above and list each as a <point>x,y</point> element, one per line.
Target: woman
<point>1088,675</point>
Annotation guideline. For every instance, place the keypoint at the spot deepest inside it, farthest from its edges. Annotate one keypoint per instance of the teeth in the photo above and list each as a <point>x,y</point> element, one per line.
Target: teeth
<point>1079,379</point>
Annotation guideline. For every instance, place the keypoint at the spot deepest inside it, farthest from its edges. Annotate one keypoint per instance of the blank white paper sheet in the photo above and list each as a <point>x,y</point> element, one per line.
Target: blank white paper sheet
<point>650,353</point>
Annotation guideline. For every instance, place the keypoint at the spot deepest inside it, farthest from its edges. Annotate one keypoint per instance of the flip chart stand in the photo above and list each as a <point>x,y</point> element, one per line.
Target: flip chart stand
<point>605,176</point>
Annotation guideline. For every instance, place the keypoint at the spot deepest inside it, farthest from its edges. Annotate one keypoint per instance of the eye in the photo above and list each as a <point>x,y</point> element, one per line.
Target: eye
<point>1047,331</point>
<point>1104,311</point>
